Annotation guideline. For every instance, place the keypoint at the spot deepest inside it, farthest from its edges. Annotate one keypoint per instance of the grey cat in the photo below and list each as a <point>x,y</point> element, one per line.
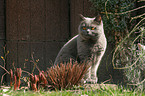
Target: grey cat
<point>89,45</point>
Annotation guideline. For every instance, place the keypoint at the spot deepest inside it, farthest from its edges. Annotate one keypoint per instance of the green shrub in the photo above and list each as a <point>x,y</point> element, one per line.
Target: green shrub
<point>116,22</point>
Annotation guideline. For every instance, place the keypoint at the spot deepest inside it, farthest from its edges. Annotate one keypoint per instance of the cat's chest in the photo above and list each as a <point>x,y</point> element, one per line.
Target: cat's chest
<point>90,47</point>
<point>96,48</point>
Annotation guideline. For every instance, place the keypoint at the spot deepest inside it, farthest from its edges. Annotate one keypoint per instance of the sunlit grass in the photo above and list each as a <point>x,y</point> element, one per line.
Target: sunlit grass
<point>103,90</point>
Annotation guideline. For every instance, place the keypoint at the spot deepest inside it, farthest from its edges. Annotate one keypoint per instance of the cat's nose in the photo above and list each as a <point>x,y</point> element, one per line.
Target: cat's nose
<point>88,31</point>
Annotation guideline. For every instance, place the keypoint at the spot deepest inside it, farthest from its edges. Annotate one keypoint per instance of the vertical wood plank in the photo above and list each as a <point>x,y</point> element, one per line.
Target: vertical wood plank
<point>37,49</point>
<point>37,20</point>
<point>2,28</point>
<point>52,19</point>
<point>64,20</point>
<point>11,21</point>
<point>76,8</point>
<point>2,7</point>
<point>87,9</point>
<point>12,57</point>
<point>23,19</point>
<point>56,20</point>
<point>2,20</point>
<point>24,55</point>
<point>51,51</point>
<point>1,61</point>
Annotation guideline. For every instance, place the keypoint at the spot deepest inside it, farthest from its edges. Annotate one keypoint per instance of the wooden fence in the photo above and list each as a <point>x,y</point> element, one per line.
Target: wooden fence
<point>40,27</point>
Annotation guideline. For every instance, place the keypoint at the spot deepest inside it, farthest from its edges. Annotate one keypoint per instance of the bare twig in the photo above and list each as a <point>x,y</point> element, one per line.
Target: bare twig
<point>139,16</point>
<point>14,66</point>
<point>35,64</point>
<point>135,39</point>
<point>5,69</point>
<point>108,79</point>
<point>3,77</point>
<point>138,83</point>
<point>106,10</point>
<point>125,11</point>
<point>128,5</point>
<point>26,72</point>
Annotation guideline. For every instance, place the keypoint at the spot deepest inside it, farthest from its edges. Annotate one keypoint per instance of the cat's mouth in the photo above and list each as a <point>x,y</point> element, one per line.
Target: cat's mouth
<point>92,34</point>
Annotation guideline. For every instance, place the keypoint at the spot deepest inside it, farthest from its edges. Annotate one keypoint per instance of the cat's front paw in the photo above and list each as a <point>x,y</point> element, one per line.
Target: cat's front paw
<point>90,81</point>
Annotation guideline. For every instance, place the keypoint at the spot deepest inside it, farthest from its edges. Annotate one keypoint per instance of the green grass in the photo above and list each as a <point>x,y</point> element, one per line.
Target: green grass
<point>104,90</point>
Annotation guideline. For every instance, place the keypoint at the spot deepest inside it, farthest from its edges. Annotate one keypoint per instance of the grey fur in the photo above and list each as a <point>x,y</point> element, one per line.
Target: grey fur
<point>88,45</point>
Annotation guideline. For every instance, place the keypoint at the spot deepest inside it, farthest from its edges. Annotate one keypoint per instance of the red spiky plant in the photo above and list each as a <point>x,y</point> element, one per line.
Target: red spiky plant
<point>15,78</point>
<point>18,73</point>
<point>11,77</point>
<point>42,79</point>
<point>66,75</point>
<point>37,81</point>
<point>34,81</point>
<point>62,76</point>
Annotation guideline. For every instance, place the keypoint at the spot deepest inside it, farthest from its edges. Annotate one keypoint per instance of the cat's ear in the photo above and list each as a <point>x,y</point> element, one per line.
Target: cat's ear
<point>98,18</point>
<point>82,17</point>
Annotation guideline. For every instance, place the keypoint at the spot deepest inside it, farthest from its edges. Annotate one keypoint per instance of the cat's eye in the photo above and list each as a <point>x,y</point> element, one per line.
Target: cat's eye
<point>92,28</point>
<point>84,28</point>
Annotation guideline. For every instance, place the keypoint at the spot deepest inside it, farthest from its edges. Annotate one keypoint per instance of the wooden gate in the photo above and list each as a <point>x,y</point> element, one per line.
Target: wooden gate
<point>40,27</point>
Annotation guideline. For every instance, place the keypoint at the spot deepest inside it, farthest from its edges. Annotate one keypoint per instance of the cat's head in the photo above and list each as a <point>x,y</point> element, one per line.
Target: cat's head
<point>91,28</point>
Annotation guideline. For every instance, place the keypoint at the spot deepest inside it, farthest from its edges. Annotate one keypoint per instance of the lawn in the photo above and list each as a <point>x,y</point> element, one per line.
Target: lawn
<point>86,90</point>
